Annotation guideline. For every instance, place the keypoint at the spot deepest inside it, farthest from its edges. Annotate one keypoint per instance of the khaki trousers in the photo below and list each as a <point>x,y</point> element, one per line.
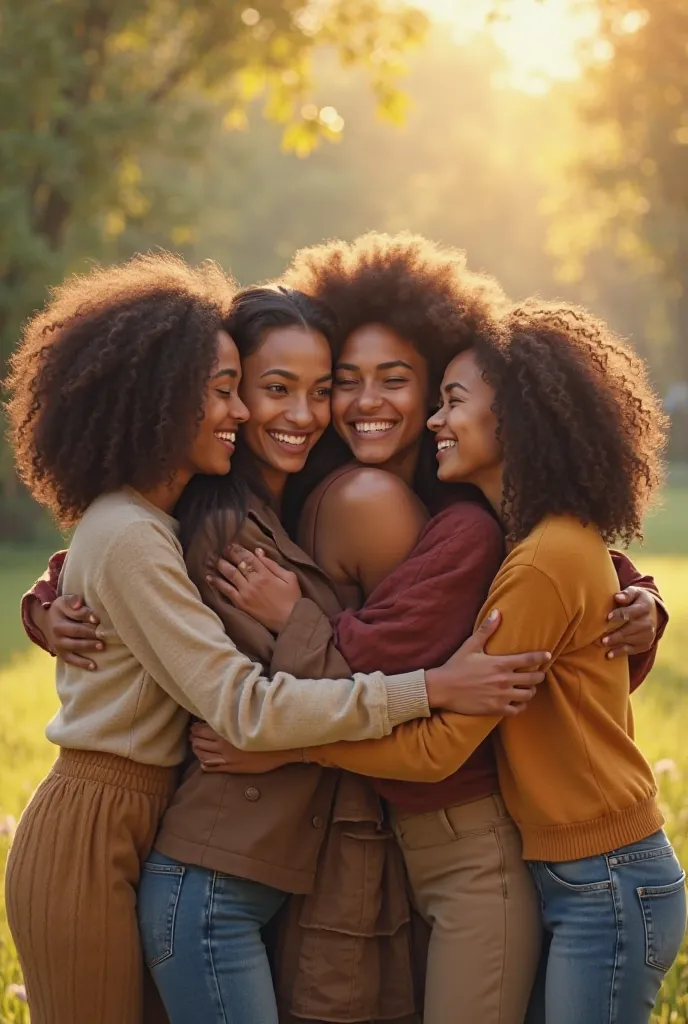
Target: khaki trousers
<point>71,882</point>
<point>470,883</point>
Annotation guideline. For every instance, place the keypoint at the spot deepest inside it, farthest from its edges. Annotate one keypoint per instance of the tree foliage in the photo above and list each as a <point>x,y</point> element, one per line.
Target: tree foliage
<point>627,182</point>
<point>87,85</point>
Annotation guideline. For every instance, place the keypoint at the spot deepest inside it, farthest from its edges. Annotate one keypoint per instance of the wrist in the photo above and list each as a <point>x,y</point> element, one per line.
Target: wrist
<point>435,684</point>
<point>279,624</point>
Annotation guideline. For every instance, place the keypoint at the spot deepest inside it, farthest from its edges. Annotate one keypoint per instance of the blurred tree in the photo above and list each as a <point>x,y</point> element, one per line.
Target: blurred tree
<point>89,88</point>
<point>625,189</point>
<point>87,85</point>
<point>631,190</point>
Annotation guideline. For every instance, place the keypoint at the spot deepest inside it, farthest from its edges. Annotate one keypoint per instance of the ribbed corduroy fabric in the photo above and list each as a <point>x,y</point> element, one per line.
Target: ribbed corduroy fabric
<point>71,885</point>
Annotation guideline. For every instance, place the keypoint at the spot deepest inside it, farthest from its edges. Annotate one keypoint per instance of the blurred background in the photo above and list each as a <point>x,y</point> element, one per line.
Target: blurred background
<point>548,138</point>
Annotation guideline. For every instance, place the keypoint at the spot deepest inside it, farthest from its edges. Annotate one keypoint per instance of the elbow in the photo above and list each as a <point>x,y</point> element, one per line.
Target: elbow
<point>434,768</point>
<point>439,772</point>
<point>420,771</point>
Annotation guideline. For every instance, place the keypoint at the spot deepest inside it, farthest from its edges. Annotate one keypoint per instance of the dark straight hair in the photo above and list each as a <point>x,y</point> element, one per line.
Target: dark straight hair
<point>254,312</point>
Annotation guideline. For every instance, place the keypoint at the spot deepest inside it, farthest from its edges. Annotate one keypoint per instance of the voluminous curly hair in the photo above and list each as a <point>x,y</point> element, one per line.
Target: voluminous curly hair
<point>422,291</point>
<point>582,429</point>
<point>107,385</point>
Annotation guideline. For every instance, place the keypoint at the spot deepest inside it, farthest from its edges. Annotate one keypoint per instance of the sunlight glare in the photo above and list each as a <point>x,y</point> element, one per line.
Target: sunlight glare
<point>539,37</point>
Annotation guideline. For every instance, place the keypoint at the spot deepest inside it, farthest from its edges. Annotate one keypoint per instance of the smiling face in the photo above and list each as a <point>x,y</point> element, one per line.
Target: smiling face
<point>223,412</point>
<point>465,429</point>
<point>380,398</point>
<point>286,385</point>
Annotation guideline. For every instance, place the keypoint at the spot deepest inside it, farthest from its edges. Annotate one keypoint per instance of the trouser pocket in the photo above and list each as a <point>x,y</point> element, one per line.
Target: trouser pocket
<point>664,914</point>
<point>158,898</point>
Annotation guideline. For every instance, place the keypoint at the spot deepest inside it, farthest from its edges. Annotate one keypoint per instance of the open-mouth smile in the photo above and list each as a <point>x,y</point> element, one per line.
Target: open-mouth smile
<point>371,429</point>
<point>227,438</point>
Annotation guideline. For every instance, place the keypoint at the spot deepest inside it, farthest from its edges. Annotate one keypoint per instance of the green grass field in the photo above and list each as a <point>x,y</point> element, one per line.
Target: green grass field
<point>661,707</point>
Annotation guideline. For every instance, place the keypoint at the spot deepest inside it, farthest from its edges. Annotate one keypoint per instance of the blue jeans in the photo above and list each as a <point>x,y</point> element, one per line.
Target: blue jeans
<point>200,932</point>
<point>615,924</point>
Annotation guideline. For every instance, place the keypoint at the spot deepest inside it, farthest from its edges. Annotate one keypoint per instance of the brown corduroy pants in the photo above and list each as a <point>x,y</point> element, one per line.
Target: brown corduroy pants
<point>71,882</point>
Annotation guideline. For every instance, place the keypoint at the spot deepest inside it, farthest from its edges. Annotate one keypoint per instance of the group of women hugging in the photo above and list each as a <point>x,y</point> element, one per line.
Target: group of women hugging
<point>344,660</point>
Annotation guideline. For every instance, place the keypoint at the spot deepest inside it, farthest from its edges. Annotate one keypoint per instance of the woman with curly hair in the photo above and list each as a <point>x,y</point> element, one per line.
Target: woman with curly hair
<point>123,391</point>
<point>483,948</point>
<point>555,423</point>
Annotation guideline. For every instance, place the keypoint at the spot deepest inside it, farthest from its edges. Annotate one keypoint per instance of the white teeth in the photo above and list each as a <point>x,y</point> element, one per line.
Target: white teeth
<point>441,445</point>
<point>292,439</point>
<point>226,435</point>
<point>373,428</point>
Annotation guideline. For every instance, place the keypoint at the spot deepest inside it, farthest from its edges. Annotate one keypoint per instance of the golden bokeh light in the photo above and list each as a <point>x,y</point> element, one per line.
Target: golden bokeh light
<point>539,38</point>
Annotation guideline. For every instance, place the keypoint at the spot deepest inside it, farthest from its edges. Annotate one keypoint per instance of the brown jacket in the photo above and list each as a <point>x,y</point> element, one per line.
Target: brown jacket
<point>343,947</point>
<point>282,815</point>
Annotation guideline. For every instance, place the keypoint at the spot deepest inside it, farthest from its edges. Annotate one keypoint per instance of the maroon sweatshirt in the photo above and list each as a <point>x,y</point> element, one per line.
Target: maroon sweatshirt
<point>424,610</point>
<point>416,618</point>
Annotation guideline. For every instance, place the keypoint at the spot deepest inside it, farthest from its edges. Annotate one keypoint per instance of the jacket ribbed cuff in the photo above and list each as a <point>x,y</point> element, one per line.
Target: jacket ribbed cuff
<point>407,697</point>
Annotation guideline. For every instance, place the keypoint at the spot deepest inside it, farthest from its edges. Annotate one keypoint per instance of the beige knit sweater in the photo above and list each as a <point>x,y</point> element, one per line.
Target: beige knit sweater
<point>167,655</point>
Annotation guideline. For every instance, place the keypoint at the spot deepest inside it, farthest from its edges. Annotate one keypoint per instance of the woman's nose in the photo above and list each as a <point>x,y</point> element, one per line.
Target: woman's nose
<point>300,414</point>
<point>369,399</point>
<point>436,421</point>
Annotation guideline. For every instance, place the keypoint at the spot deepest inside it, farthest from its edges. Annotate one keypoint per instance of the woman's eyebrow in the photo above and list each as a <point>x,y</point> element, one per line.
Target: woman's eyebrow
<point>227,372</point>
<point>380,366</point>
<point>394,363</point>
<point>280,373</point>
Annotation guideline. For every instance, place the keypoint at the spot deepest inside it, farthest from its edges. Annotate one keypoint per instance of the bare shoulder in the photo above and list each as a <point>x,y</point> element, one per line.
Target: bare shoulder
<point>373,492</point>
<point>368,521</point>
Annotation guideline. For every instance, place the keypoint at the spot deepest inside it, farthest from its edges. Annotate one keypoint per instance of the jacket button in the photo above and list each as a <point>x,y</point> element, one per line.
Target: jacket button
<point>251,793</point>
<point>317,821</point>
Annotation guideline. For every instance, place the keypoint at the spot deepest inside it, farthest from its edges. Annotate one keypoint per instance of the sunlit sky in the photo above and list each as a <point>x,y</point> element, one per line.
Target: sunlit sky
<point>538,37</point>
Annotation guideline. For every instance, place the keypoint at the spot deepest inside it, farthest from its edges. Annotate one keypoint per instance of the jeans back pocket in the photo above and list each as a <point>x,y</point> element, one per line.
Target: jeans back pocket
<point>664,914</point>
<point>158,896</point>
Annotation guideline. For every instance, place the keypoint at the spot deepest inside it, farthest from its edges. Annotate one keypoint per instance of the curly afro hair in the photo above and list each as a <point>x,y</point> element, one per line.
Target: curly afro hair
<point>582,429</point>
<point>107,385</point>
<point>420,290</point>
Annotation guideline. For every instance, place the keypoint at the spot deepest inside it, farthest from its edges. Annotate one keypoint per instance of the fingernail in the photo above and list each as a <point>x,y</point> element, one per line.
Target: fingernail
<point>91,667</point>
<point>259,551</point>
<point>209,579</point>
<point>93,619</point>
<point>620,597</point>
<point>100,634</point>
<point>610,654</point>
<point>99,647</point>
<point>610,616</point>
<point>605,639</point>
<point>493,615</point>
<point>548,656</point>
